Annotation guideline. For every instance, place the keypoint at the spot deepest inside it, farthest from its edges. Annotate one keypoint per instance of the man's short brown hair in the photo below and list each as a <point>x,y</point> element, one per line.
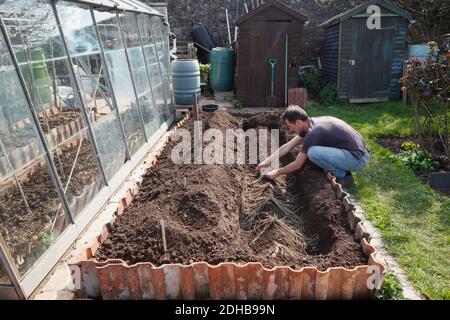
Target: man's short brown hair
<point>294,113</point>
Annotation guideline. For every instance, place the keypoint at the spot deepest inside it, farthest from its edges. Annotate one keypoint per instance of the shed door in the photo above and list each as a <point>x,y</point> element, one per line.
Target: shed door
<point>268,41</point>
<point>371,63</point>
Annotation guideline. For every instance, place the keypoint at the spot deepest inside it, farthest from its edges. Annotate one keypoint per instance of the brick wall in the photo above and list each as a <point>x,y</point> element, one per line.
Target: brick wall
<point>185,15</point>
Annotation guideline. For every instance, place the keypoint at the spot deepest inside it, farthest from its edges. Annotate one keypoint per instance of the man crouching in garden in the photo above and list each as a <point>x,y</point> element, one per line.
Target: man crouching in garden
<point>329,142</point>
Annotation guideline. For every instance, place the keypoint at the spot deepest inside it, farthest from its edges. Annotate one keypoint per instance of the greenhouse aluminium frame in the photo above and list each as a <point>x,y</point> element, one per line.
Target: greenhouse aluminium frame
<point>84,95</point>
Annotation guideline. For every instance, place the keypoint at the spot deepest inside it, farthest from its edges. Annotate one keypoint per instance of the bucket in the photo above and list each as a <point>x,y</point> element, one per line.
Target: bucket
<point>420,51</point>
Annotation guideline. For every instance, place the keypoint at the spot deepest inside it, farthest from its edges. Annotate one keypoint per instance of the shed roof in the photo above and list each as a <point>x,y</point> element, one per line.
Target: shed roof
<point>363,7</point>
<point>273,3</point>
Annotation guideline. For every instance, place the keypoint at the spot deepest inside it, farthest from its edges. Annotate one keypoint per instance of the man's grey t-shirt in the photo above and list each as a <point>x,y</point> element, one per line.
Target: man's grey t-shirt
<point>333,132</point>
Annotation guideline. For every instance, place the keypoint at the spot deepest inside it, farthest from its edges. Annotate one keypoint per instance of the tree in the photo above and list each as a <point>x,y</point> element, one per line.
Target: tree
<point>428,82</point>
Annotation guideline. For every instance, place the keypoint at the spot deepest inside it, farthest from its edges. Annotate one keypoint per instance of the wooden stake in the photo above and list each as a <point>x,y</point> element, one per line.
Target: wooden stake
<point>195,112</point>
<point>228,27</point>
<point>163,231</point>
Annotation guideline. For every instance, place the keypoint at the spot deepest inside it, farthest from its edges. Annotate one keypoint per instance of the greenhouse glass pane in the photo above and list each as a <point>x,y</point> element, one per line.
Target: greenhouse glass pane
<point>162,47</point>
<point>30,222</point>
<point>35,34</point>
<point>139,72</point>
<point>78,170</point>
<point>120,78</point>
<point>31,215</point>
<point>84,47</point>
<point>152,65</point>
<point>39,50</point>
<point>5,167</point>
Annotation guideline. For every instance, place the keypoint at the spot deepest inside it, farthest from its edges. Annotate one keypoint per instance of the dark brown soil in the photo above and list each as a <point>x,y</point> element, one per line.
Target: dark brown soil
<point>201,206</point>
<point>395,145</point>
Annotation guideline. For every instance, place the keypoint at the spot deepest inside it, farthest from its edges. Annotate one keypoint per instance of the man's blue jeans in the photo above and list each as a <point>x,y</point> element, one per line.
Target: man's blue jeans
<point>337,161</point>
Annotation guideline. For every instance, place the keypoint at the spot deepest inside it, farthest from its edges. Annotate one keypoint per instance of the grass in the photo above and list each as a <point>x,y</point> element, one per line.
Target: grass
<point>414,220</point>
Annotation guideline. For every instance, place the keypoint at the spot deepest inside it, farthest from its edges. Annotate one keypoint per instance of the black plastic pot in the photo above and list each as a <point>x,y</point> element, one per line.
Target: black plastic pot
<point>440,180</point>
<point>210,107</point>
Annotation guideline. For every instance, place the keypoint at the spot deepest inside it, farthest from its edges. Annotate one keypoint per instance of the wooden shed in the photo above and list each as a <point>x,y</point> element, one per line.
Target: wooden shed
<point>265,33</point>
<point>365,63</point>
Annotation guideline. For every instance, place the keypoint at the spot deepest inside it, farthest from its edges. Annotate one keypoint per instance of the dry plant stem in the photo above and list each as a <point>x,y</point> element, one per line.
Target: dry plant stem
<point>287,221</point>
<point>280,249</point>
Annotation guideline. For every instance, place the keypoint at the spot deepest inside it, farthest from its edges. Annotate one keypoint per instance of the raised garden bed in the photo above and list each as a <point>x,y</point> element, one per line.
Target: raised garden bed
<point>25,152</point>
<point>59,119</point>
<point>230,234</point>
<point>58,123</point>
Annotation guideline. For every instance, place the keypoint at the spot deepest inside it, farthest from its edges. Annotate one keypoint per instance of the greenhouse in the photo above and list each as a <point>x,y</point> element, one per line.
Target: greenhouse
<point>84,95</point>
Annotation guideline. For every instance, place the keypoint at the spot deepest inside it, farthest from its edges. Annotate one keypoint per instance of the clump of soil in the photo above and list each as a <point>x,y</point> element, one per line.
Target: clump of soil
<point>266,120</point>
<point>203,212</point>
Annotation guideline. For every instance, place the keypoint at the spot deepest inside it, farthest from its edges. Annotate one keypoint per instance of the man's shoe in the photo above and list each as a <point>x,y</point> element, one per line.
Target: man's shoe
<point>346,181</point>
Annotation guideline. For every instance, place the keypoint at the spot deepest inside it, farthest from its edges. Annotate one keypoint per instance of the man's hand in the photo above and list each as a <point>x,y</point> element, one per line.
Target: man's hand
<point>262,165</point>
<point>272,175</point>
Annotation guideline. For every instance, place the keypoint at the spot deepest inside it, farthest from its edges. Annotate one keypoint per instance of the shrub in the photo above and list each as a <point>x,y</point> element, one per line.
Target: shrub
<point>313,82</point>
<point>329,95</point>
<point>428,82</point>
<point>391,289</point>
<point>417,160</point>
<point>205,69</point>
<point>178,118</point>
<point>238,104</point>
<point>408,145</point>
<point>46,239</point>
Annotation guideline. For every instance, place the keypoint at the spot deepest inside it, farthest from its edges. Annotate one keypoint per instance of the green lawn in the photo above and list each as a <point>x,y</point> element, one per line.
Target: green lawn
<point>414,220</point>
